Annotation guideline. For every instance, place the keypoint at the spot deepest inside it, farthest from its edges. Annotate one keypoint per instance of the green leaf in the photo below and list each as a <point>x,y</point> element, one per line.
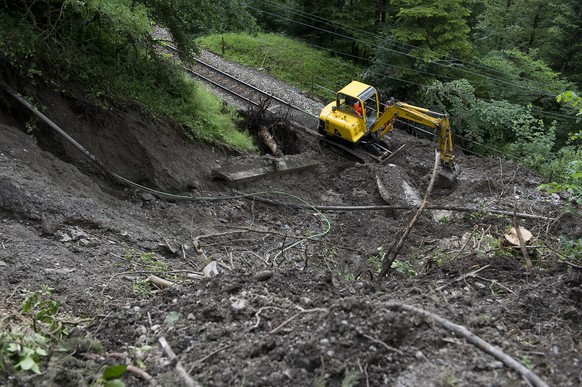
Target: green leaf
<point>41,352</point>
<point>27,363</point>
<point>30,302</point>
<point>114,371</point>
<point>172,317</point>
<point>114,383</point>
<point>35,369</point>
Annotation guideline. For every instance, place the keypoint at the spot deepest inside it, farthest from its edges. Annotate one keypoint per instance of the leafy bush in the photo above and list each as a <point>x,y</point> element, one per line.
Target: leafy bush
<point>493,123</point>
<point>511,66</point>
<point>108,47</point>
<point>23,351</point>
<point>569,178</point>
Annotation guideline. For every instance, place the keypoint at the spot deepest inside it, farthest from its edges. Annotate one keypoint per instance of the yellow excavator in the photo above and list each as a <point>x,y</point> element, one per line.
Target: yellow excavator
<point>354,120</point>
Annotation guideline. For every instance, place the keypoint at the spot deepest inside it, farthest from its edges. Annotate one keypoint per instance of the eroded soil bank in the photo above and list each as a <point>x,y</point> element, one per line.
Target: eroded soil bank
<point>296,300</point>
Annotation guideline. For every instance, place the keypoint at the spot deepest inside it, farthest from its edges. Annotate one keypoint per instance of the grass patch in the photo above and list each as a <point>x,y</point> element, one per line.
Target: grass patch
<point>112,72</point>
<point>166,91</point>
<point>310,70</point>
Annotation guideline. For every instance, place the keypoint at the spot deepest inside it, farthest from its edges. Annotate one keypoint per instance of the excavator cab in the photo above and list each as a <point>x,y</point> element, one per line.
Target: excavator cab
<point>351,116</point>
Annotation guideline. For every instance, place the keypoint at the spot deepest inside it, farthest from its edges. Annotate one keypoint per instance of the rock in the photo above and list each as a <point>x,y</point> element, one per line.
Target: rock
<point>148,197</point>
<point>62,236</point>
<point>140,330</point>
<point>263,275</point>
<point>210,270</point>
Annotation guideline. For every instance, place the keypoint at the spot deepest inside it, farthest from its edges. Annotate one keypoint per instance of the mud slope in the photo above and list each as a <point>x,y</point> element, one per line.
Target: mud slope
<point>292,303</point>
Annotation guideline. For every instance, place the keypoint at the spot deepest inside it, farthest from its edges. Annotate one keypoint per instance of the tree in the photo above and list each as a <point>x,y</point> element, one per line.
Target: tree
<point>121,29</point>
<point>344,27</point>
<point>420,40</point>
<point>547,31</point>
<point>436,28</point>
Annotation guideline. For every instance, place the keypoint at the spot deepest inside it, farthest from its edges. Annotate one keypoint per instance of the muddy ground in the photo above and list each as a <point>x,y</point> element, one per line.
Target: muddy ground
<point>296,301</point>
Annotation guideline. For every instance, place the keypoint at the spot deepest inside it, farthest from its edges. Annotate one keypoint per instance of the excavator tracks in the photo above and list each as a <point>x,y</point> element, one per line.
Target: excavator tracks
<point>375,153</point>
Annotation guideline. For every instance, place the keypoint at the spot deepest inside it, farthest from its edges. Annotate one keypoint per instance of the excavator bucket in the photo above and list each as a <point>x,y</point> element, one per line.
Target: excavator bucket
<point>447,176</point>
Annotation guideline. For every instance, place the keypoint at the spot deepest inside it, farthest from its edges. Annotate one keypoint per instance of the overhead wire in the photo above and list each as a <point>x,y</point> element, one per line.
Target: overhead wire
<point>510,83</point>
<point>416,57</point>
<point>371,60</point>
<point>394,42</point>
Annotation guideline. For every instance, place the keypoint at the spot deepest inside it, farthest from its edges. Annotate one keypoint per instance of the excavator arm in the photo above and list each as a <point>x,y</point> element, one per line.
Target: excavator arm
<point>438,121</point>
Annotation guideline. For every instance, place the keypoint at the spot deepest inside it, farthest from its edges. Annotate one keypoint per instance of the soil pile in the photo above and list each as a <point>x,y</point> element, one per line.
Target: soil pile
<point>288,298</point>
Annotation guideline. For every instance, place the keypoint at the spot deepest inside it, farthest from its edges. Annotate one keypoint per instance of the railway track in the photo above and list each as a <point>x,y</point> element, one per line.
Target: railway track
<point>250,94</point>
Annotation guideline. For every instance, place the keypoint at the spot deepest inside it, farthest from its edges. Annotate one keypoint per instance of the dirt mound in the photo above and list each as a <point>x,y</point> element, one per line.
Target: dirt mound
<point>292,303</point>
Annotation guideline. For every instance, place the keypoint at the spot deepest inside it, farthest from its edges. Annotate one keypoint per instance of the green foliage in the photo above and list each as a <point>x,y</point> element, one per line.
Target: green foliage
<point>375,261</point>
<point>533,148</point>
<point>526,360</point>
<point>436,28</point>
<point>43,312</point>
<point>149,262</point>
<point>22,351</point>
<point>571,248</point>
<point>568,176</point>
<point>351,378</point>
<point>353,23</point>
<point>569,181</point>
<point>491,123</point>
<point>142,288</point>
<point>172,317</point>
<point>519,78</point>
<point>420,35</point>
<point>404,267</point>
<point>110,46</point>
<point>110,377</point>
<point>573,99</point>
<point>285,59</point>
<point>549,31</point>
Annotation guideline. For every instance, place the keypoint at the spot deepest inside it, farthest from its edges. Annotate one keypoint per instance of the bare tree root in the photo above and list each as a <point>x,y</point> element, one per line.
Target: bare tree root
<point>387,263</point>
<point>510,362</point>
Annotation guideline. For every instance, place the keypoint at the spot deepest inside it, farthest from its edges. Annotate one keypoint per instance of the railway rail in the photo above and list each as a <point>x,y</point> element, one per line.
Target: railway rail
<point>250,94</point>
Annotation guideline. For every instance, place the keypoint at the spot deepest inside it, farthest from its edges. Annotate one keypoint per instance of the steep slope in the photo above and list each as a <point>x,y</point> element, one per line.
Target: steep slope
<point>292,303</point>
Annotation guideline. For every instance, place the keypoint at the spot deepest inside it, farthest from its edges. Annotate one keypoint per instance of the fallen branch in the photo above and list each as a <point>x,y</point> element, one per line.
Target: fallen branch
<point>464,276</point>
<point>497,353</point>
<point>160,282</point>
<point>258,315</point>
<point>188,381</point>
<point>495,282</point>
<point>141,373</point>
<point>200,361</point>
<point>375,340</point>
<point>269,141</point>
<point>387,263</point>
<point>519,234</point>
<point>167,244</point>
<point>397,207</point>
<point>574,266</point>
<point>129,368</point>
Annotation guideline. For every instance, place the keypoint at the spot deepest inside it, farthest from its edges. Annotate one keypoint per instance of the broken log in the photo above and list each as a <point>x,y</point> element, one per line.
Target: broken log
<point>269,141</point>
